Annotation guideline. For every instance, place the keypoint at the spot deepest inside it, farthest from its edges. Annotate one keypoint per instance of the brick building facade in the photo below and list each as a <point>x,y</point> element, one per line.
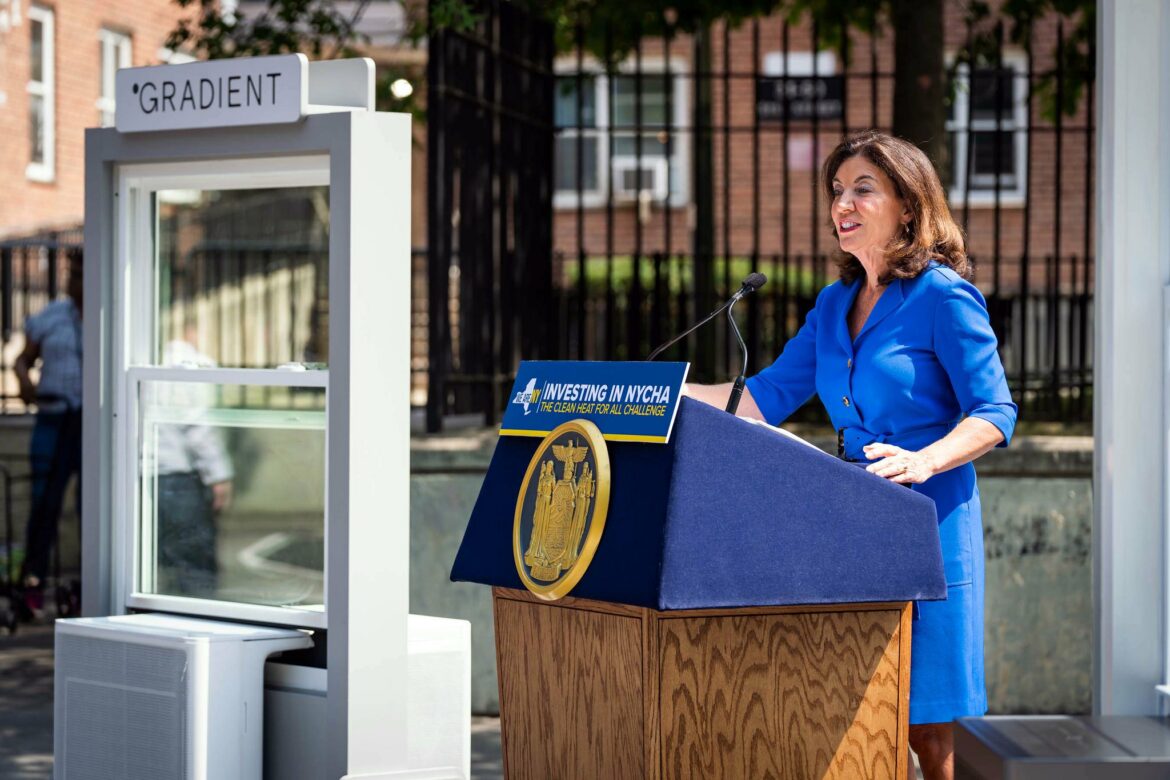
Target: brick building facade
<point>1046,181</point>
<point>56,79</point>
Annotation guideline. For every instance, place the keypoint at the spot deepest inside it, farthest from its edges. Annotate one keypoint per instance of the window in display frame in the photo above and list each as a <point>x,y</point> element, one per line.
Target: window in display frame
<point>222,343</point>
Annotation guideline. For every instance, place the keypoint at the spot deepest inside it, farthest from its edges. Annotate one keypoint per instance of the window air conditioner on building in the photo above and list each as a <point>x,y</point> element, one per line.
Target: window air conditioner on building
<point>632,177</point>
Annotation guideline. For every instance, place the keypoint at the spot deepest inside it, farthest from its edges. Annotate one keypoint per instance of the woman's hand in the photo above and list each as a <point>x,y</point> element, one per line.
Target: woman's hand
<point>899,465</point>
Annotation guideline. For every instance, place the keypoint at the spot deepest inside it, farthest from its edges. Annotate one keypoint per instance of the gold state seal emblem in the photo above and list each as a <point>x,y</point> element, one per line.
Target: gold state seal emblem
<point>561,509</point>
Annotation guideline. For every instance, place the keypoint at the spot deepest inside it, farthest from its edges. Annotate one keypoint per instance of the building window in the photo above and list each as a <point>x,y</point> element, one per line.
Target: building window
<point>41,95</point>
<point>114,53</point>
<point>993,106</point>
<point>619,136</point>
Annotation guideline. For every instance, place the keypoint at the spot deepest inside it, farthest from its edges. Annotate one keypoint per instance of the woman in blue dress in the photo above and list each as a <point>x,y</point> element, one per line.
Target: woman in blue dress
<point>901,353</point>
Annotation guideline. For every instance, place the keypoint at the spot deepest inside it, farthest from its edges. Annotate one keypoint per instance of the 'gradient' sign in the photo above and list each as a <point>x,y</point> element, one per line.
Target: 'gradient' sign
<point>219,93</point>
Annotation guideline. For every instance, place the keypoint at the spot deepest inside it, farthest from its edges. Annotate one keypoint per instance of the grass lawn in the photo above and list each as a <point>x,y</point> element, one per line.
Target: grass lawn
<point>677,273</point>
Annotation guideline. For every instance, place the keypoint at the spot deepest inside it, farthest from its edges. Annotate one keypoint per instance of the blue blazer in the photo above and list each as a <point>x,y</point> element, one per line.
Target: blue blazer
<point>924,359</point>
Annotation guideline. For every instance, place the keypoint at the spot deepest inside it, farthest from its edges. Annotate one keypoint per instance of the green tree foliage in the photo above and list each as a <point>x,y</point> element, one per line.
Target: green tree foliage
<point>314,27</point>
<point>1074,60</point>
<point>628,19</point>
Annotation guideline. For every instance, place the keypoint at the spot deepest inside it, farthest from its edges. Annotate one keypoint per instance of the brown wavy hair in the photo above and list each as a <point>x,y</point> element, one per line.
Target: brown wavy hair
<point>931,233</point>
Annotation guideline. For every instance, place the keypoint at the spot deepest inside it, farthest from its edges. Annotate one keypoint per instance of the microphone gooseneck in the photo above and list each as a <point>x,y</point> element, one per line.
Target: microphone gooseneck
<point>750,284</point>
<point>738,385</point>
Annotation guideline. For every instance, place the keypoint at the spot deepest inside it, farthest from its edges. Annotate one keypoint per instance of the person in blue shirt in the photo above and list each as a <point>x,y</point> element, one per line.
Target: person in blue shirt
<point>53,336</point>
<point>901,352</point>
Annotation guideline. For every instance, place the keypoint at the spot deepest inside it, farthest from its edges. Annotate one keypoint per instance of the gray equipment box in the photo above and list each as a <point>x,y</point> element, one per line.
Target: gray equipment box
<point>1062,748</point>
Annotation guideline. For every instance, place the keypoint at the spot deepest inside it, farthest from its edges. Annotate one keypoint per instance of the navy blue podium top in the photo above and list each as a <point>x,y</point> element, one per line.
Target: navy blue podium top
<point>728,514</point>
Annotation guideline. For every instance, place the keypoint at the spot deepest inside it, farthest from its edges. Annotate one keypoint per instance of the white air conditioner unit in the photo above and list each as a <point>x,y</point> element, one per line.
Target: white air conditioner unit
<point>158,697</point>
<point>632,176</point>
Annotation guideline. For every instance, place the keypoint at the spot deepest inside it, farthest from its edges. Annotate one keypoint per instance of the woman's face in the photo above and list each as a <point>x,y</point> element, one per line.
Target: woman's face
<point>866,210</point>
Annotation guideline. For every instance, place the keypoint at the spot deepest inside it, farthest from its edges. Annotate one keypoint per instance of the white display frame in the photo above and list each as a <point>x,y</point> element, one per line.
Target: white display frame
<point>367,557</point>
<point>133,331</point>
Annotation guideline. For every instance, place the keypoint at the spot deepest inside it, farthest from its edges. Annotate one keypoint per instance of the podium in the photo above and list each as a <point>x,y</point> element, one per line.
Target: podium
<point>747,613</point>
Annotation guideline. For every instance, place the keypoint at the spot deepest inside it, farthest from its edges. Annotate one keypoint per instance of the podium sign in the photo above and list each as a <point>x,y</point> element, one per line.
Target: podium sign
<point>627,401</point>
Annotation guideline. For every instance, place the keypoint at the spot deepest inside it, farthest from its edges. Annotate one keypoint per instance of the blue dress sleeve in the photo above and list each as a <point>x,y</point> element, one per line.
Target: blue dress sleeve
<point>967,348</point>
<point>785,386</point>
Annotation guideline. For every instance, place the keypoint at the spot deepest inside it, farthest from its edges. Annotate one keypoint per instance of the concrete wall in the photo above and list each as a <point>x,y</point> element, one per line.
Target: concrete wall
<point>1037,531</point>
<point>446,473</point>
<point>1037,514</point>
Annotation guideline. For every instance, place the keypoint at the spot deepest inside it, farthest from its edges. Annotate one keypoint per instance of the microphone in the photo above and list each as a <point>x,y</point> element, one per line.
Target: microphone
<point>753,282</point>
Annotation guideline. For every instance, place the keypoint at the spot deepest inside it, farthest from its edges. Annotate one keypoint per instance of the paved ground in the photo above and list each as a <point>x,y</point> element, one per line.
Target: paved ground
<point>26,705</point>
<point>26,713</point>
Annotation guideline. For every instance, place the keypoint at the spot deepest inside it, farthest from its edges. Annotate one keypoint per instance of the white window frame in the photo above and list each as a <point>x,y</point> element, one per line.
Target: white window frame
<point>799,63</point>
<point>115,52</point>
<point>1014,121</point>
<point>46,89</point>
<point>133,348</point>
<point>652,68</point>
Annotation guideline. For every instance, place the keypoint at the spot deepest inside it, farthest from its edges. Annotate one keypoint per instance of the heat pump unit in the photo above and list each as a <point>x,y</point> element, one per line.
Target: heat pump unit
<point>158,697</point>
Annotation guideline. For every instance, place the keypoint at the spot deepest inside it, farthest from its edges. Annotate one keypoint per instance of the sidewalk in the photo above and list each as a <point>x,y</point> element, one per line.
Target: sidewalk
<point>26,704</point>
<point>26,712</point>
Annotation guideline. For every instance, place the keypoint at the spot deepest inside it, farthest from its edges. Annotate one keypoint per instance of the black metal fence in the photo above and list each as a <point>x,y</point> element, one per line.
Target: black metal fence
<point>489,175</point>
<point>666,178</point>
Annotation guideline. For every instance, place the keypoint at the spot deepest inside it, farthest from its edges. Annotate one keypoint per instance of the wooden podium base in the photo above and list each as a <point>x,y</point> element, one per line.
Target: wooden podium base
<point>590,689</point>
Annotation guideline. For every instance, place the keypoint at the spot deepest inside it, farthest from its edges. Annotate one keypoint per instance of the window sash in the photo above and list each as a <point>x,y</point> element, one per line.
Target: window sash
<point>1009,181</point>
<point>36,130</point>
<point>141,535</point>
<point>36,49</point>
<point>590,168</point>
<point>43,167</point>
<point>604,98</point>
<point>132,329</point>
<point>625,101</point>
<point>565,104</point>
<point>113,53</point>
<point>962,127</point>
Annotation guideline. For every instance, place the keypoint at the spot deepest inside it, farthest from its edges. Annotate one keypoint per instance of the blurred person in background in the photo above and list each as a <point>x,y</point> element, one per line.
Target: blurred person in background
<point>194,477</point>
<point>53,336</point>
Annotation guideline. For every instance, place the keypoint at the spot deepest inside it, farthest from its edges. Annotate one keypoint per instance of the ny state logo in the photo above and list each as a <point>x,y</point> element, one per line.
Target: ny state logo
<point>527,397</point>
